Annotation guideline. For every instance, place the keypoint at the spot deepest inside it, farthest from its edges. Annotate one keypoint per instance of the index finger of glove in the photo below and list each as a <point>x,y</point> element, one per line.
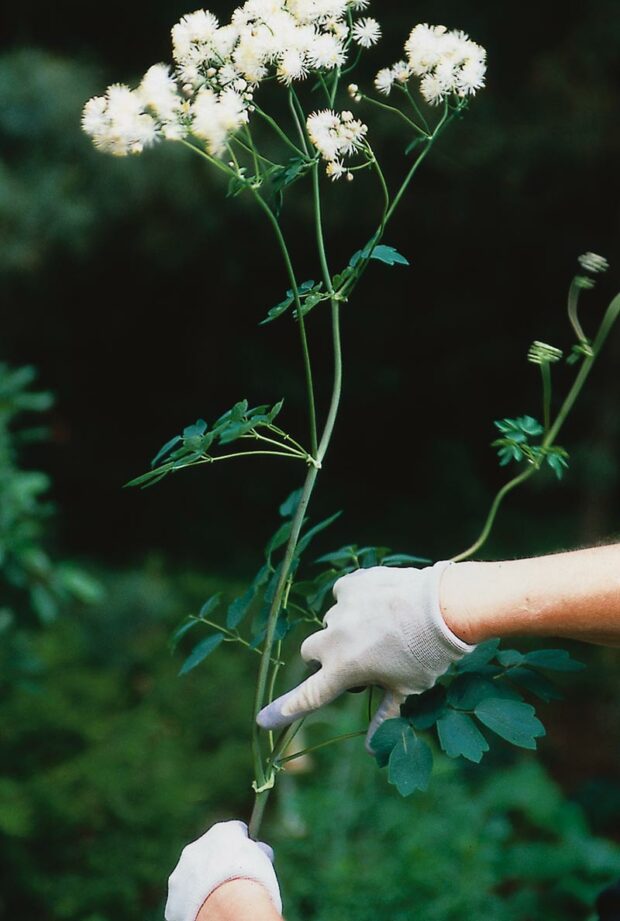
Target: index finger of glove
<point>316,691</point>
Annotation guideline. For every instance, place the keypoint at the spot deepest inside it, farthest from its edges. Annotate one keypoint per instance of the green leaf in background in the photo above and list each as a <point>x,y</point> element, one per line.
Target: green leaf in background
<point>289,506</point>
<point>509,657</point>
<point>423,710</point>
<point>180,632</point>
<point>514,721</point>
<point>239,608</point>
<point>459,735</point>
<point>382,253</point>
<point>312,533</point>
<point>411,763</point>
<point>201,651</point>
<point>404,559</point>
<point>385,739</point>
<point>557,660</point>
<point>469,689</point>
<point>210,605</point>
<point>278,539</point>
<point>536,683</point>
<point>480,657</point>
<point>166,449</point>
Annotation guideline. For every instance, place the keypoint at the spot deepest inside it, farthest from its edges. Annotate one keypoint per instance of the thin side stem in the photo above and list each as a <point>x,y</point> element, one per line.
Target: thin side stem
<point>314,748</point>
<point>545,370</point>
<point>611,316</point>
<point>302,328</point>
<point>281,134</point>
<point>399,112</point>
<point>488,525</point>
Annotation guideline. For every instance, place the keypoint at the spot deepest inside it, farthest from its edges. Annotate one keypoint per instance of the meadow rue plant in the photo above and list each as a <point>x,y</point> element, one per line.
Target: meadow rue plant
<point>209,99</point>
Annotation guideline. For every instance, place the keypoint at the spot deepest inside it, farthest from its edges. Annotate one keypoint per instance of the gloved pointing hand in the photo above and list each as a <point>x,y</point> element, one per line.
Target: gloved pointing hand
<point>386,629</point>
<point>224,853</point>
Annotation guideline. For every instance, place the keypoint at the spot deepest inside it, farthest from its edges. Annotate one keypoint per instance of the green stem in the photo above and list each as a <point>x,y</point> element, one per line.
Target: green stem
<point>300,320</point>
<point>416,107</point>
<point>294,450</point>
<point>298,117</point>
<point>221,457</point>
<point>384,105</point>
<point>545,370</point>
<point>235,638</point>
<point>573,306</point>
<point>314,748</point>
<point>488,525</point>
<point>273,124</point>
<point>308,487</point>
<point>611,315</point>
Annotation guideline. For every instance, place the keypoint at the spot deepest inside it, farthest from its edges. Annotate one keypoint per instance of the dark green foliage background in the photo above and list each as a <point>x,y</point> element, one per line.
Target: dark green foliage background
<point>137,290</point>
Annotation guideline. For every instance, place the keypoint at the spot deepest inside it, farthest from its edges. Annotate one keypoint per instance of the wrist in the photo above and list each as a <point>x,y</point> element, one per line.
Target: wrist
<point>465,606</point>
<point>238,900</point>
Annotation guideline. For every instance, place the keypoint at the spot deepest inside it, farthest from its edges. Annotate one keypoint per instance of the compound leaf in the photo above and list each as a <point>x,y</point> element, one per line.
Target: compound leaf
<point>514,721</point>
<point>411,763</point>
<point>459,735</point>
<point>201,651</point>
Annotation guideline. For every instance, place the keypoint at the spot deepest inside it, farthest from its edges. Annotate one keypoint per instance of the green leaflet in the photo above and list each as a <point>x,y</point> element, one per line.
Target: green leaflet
<point>468,690</point>
<point>459,735</point>
<point>312,533</point>
<point>554,659</point>
<point>411,763</point>
<point>200,652</point>
<point>210,605</point>
<point>385,739</point>
<point>423,710</point>
<point>512,720</point>
<point>180,632</point>
<point>382,253</point>
<point>535,683</point>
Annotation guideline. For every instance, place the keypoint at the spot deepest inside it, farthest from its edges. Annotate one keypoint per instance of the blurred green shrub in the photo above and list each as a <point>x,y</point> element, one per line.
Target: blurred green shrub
<point>31,583</point>
<point>511,849</point>
<point>109,764</point>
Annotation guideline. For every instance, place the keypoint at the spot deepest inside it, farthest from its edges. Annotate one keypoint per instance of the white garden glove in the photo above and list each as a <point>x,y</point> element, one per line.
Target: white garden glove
<point>225,852</point>
<point>387,630</point>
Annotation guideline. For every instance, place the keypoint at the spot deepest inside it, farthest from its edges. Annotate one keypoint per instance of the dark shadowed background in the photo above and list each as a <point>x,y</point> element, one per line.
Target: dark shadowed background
<point>136,288</point>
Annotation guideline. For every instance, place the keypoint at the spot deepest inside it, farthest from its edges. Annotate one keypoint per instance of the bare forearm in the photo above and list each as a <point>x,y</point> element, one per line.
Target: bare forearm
<point>571,595</point>
<point>239,900</point>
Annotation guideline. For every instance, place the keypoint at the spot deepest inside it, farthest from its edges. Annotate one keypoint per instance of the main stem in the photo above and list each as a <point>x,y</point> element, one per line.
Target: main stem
<point>263,782</point>
<point>300,320</point>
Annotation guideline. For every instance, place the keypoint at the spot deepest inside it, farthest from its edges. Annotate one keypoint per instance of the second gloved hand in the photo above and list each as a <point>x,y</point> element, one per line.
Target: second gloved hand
<point>387,630</point>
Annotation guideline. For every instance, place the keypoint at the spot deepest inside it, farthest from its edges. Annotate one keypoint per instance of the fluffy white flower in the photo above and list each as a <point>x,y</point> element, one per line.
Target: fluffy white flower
<point>117,123</point>
<point>447,63</point>
<point>195,28</point>
<point>335,170</point>
<point>401,72</point>
<point>215,118</point>
<point>433,89</point>
<point>359,4</point>
<point>366,32</point>
<point>159,92</point>
<point>384,81</point>
<point>423,47</point>
<point>326,52</point>
<point>335,136</point>
<point>293,65</point>
<point>471,77</point>
<point>317,10</point>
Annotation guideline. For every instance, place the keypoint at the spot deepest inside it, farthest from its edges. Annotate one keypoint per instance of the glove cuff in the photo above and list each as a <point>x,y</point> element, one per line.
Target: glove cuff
<point>430,639</point>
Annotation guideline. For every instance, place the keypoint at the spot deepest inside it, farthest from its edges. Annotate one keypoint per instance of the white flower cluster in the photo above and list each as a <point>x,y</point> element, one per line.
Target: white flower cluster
<point>447,63</point>
<point>336,135</point>
<point>219,67</point>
